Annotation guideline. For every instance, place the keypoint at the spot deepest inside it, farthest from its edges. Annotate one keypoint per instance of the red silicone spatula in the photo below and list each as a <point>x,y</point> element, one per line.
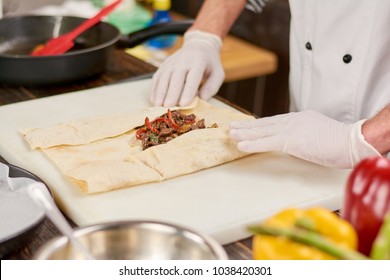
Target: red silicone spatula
<point>63,43</point>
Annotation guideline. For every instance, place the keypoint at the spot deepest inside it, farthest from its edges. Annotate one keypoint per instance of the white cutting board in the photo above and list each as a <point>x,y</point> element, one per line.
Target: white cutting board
<point>220,201</point>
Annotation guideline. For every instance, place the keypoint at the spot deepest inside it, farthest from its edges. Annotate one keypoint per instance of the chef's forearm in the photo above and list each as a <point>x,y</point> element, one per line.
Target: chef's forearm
<point>217,16</point>
<point>376,131</point>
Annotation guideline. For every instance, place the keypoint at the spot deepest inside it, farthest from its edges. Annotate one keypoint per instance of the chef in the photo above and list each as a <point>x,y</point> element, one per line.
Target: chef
<point>339,79</point>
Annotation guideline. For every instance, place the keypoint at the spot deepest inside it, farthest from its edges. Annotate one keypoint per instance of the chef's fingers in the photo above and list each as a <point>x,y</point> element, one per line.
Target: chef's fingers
<point>155,82</point>
<point>274,120</point>
<point>161,88</point>
<point>175,88</point>
<point>267,144</point>
<point>245,134</point>
<point>212,84</point>
<point>191,86</point>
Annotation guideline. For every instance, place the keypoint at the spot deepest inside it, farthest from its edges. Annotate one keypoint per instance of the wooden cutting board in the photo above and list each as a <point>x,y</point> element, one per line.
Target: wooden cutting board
<point>220,201</point>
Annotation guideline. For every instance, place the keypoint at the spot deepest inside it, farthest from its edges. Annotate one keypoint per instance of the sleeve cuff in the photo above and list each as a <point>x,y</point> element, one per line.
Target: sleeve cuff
<point>360,147</point>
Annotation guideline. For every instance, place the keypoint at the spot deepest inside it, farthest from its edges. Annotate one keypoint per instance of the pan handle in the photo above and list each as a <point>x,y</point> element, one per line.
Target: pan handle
<point>139,37</point>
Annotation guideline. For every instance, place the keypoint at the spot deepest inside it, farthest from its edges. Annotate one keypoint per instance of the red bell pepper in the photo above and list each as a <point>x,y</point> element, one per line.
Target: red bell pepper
<point>160,120</point>
<point>367,199</point>
<point>149,125</point>
<point>139,133</point>
<point>170,118</point>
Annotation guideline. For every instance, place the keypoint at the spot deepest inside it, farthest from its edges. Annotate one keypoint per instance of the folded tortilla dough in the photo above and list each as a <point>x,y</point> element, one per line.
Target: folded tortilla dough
<point>102,154</point>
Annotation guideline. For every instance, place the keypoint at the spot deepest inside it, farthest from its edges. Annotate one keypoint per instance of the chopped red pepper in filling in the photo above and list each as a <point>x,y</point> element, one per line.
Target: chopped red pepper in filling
<point>149,126</point>
<point>167,127</point>
<point>170,118</point>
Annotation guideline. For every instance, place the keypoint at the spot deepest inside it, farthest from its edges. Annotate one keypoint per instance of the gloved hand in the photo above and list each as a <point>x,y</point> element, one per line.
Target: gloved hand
<point>307,135</point>
<point>178,78</point>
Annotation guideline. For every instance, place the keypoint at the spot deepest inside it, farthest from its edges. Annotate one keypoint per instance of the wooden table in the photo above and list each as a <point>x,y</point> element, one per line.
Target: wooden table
<point>120,67</point>
<point>241,60</point>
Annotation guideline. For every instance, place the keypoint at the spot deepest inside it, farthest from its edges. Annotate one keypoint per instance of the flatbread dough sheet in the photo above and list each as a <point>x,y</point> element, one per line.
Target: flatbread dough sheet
<point>102,154</point>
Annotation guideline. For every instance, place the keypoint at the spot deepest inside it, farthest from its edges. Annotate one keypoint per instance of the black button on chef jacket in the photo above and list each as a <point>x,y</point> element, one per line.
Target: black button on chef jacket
<point>347,58</point>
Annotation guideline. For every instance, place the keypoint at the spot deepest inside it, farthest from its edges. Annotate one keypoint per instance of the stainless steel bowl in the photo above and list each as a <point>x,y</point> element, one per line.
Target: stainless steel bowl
<point>135,240</point>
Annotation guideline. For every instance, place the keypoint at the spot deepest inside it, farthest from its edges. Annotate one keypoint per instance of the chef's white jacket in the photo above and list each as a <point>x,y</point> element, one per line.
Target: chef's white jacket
<point>340,57</point>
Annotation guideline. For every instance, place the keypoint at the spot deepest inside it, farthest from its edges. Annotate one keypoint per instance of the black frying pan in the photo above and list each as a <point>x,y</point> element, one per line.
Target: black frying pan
<point>19,35</point>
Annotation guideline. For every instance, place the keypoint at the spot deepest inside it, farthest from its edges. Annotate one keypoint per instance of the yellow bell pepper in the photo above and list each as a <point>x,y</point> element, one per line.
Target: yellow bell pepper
<point>305,234</point>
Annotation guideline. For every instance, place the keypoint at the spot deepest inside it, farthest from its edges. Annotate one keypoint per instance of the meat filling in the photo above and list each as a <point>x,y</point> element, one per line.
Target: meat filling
<point>167,127</point>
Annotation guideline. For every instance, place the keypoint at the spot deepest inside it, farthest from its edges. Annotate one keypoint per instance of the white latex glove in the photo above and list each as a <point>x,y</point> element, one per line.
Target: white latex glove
<point>307,135</point>
<point>178,78</point>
